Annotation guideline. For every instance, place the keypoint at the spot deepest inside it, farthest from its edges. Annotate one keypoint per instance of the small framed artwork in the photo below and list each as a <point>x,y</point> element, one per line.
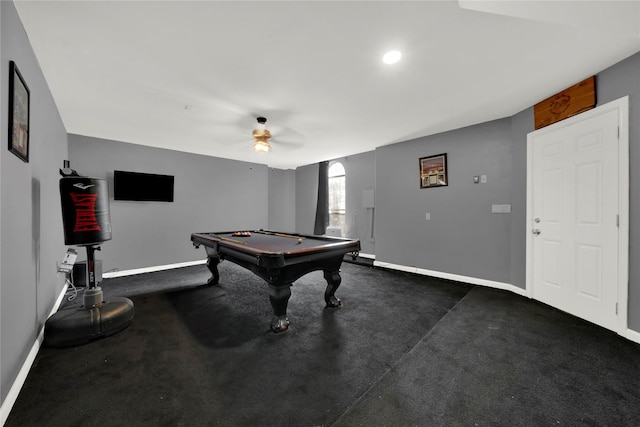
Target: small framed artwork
<point>18,114</point>
<point>433,171</point>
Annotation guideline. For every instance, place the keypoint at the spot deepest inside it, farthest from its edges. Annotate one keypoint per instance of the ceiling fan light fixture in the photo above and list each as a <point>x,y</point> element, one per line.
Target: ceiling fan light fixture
<point>261,135</point>
<point>261,146</point>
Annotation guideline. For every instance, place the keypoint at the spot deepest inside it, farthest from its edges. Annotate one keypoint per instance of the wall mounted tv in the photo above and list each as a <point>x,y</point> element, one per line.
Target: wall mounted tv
<point>144,187</point>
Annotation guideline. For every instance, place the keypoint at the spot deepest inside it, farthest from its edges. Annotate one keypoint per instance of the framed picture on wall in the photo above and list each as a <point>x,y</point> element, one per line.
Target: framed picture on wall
<point>18,114</point>
<point>433,171</point>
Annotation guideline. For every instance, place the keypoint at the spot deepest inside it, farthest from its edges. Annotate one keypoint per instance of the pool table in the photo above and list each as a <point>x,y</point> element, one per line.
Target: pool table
<point>280,259</point>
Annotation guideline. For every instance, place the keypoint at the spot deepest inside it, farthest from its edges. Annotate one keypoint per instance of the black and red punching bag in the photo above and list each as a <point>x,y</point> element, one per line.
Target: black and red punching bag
<point>85,210</point>
<point>87,222</point>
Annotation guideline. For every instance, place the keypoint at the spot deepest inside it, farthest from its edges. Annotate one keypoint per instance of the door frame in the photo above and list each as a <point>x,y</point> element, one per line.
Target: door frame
<point>622,106</point>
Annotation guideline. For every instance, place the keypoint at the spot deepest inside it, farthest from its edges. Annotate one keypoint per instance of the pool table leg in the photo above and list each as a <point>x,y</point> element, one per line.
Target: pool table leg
<point>212,265</point>
<point>333,282</point>
<point>279,297</point>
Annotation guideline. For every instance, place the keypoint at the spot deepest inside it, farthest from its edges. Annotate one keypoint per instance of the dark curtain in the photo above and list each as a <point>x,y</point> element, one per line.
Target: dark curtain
<point>322,208</point>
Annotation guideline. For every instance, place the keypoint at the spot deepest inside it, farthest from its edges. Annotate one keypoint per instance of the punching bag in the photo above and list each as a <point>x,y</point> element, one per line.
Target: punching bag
<point>85,210</point>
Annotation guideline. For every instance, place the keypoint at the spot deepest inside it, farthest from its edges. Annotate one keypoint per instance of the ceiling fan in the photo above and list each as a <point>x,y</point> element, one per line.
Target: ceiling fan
<point>278,137</point>
<point>262,136</point>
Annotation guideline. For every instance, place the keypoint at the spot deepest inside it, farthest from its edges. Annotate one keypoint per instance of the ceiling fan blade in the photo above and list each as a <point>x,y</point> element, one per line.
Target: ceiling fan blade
<point>288,144</point>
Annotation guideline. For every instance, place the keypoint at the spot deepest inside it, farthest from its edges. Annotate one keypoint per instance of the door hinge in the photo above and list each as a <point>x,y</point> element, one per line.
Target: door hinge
<point>617,220</point>
<point>616,308</point>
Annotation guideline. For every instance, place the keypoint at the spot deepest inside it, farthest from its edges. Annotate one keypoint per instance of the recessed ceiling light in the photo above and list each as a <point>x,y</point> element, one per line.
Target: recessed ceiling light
<point>392,57</point>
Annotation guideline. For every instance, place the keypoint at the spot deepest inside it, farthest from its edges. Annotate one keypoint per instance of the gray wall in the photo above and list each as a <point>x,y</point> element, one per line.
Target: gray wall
<point>462,237</point>
<point>306,198</point>
<point>282,194</point>
<point>210,194</point>
<point>32,239</point>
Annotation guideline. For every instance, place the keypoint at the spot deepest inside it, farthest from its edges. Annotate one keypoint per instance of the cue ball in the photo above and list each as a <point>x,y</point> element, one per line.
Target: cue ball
<point>299,241</point>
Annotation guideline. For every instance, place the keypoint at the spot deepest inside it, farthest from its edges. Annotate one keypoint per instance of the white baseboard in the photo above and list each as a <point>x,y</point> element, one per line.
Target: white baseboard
<point>369,256</point>
<point>631,335</point>
<point>14,391</point>
<point>111,274</point>
<point>450,276</point>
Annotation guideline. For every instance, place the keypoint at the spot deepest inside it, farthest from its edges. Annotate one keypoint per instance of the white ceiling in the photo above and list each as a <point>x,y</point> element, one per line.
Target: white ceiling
<point>193,75</point>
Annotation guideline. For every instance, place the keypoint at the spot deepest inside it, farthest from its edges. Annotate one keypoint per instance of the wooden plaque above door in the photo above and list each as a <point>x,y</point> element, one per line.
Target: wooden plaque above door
<point>571,101</point>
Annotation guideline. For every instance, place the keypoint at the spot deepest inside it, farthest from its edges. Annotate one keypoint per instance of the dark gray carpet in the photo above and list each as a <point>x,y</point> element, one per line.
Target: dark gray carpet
<point>404,350</point>
<point>500,360</point>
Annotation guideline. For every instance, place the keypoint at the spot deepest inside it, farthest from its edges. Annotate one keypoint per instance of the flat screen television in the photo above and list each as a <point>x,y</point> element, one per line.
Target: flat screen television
<point>144,187</point>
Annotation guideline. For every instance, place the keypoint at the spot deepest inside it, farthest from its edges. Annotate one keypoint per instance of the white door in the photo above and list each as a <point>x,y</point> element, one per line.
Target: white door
<point>574,216</point>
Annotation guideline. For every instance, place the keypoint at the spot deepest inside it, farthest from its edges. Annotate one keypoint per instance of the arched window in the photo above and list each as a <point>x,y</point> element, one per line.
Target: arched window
<point>337,196</point>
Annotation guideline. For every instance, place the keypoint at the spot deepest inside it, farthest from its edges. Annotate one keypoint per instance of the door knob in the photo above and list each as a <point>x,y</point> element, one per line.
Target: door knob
<point>536,232</point>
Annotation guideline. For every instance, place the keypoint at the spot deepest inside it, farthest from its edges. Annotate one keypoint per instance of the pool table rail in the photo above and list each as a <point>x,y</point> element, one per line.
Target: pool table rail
<point>309,243</point>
